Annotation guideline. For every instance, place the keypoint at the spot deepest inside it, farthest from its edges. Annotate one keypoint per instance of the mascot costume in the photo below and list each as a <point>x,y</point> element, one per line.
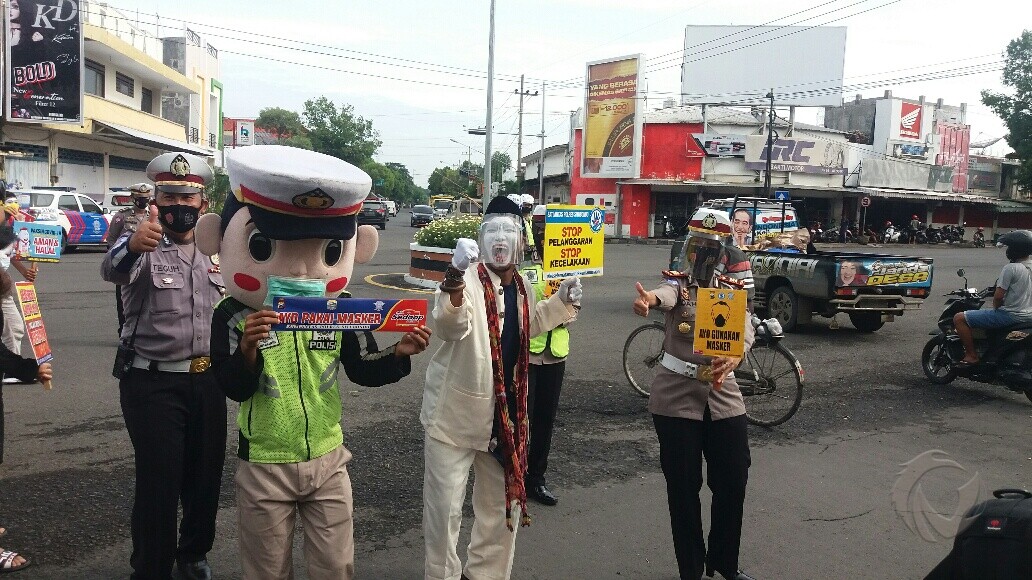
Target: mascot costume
<point>289,229</point>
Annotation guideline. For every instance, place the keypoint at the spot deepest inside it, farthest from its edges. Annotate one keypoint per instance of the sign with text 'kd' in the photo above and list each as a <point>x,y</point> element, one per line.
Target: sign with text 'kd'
<point>720,316</point>
<point>574,241</point>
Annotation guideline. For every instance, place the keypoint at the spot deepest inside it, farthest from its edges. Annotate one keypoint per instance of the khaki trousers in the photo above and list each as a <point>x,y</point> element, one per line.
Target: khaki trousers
<point>267,496</point>
<point>491,545</point>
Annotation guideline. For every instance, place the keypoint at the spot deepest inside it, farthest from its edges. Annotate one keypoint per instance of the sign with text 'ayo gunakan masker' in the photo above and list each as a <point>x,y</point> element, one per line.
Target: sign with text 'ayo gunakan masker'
<point>720,316</point>
<point>308,313</point>
<point>574,241</point>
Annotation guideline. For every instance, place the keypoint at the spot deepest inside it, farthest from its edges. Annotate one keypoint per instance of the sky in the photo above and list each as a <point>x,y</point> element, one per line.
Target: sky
<point>417,69</point>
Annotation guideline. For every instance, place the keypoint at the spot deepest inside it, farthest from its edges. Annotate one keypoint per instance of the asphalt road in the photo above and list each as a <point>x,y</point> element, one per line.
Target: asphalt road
<point>820,496</point>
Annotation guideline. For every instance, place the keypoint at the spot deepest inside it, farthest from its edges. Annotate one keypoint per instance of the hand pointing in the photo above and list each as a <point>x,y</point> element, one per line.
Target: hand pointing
<point>148,234</point>
<point>644,301</point>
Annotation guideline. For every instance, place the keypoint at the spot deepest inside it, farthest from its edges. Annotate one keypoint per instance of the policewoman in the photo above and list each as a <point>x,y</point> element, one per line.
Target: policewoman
<point>126,220</point>
<point>545,372</point>
<point>173,409</point>
<point>697,409</point>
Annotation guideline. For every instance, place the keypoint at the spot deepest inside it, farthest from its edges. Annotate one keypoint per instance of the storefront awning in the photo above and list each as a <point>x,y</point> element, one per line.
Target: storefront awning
<point>926,195</point>
<point>111,130</point>
<point>1012,206</point>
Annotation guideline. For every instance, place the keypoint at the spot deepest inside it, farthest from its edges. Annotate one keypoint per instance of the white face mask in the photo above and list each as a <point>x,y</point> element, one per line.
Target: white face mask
<point>500,240</point>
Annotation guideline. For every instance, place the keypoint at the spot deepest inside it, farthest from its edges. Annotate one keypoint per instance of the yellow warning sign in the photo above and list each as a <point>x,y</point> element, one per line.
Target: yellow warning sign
<point>720,316</point>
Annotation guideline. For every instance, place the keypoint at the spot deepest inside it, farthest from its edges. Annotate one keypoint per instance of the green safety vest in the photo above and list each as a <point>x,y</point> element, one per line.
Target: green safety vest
<point>556,340</point>
<point>295,414</point>
<point>528,230</point>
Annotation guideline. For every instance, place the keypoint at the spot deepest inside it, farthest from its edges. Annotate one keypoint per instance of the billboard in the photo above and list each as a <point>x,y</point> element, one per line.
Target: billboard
<point>954,141</point>
<point>244,133</point>
<point>803,154</point>
<point>910,120</point>
<point>740,64</point>
<point>611,144</point>
<point>43,71</point>
<point>715,145</point>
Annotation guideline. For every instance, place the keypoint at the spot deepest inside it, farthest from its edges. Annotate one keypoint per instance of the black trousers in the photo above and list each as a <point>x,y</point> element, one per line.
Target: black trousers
<point>177,423</point>
<point>725,444</point>
<point>543,385</point>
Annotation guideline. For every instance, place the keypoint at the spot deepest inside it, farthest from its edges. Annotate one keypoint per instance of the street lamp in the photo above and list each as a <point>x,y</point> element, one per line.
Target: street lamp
<point>490,105</point>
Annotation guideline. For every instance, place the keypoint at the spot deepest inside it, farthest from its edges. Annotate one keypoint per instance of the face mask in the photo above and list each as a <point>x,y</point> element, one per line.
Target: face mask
<point>281,286</point>
<point>141,202</point>
<point>499,241</point>
<point>178,218</point>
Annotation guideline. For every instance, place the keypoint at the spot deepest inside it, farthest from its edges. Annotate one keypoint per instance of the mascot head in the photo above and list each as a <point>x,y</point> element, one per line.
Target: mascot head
<point>289,226</point>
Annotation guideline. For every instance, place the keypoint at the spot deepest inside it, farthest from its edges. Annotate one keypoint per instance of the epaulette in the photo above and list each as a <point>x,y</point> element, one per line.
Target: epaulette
<point>675,274</point>
<point>731,282</point>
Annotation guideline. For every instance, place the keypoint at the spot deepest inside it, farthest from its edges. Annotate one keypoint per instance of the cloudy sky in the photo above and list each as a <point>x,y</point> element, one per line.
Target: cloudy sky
<point>417,69</point>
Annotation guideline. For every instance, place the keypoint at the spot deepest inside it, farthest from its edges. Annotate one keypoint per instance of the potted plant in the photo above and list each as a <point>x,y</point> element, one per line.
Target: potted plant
<point>432,248</point>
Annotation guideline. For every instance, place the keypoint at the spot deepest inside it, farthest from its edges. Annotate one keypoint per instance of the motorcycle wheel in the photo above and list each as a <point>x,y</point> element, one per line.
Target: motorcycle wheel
<point>935,362</point>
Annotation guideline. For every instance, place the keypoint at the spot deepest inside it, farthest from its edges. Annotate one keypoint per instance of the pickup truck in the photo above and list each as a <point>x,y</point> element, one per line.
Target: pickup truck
<point>792,284</point>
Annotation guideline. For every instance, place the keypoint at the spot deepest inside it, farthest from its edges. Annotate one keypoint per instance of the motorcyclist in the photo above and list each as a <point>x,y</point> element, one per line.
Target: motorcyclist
<point>888,232</point>
<point>1012,301</point>
<point>915,224</point>
<point>697,407</point>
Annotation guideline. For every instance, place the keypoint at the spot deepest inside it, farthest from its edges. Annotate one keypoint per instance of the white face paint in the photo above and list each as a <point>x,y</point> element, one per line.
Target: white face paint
<point>499,240</point>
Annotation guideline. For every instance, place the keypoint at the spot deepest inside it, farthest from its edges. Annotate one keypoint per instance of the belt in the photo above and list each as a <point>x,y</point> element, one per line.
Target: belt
<point>683,367</point>
<point>190,365</point>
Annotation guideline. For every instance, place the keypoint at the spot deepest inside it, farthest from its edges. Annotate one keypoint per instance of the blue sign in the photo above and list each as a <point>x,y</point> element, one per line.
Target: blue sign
<point>782,195</point>
<point>37,242</point>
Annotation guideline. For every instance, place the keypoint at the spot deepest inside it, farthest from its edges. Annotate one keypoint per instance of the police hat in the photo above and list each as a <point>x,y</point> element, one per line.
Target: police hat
<point>179,173</point>
<point>295,194</point>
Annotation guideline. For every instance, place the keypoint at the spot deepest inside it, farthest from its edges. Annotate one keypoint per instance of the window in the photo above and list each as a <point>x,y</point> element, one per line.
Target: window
<point>125,84</point>
<point>146,101</point>
<point>90,205</point>
<point>93,81</point>
<point>67,202</point>
<point>589,201</point>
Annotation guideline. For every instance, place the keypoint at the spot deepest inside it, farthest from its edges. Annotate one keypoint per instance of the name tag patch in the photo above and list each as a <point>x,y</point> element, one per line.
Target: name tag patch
<point>270,342</point>
<point>165,269</point>
<point>323,340</point>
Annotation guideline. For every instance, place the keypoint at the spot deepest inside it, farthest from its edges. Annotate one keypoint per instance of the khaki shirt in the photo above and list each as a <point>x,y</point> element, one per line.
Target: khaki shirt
<point>675,395</point>
<point>172,291</point>
<point>125,220</point>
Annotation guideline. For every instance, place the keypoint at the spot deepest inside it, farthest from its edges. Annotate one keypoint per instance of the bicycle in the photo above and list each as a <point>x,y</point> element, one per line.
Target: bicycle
<point>770,376</point>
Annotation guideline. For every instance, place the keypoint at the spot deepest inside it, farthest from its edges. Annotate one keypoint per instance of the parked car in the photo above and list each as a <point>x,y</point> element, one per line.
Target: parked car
<point>373,213</point>
<point>392,207</point>
<point>421,215</point>
<point>83,220</point>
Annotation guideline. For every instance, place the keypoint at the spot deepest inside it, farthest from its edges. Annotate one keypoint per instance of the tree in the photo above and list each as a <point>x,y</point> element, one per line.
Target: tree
<point>500,163</point>
<point>217,190</point>
<point>1016,109</point>
<point>339,132</point>
<point>448,181</point>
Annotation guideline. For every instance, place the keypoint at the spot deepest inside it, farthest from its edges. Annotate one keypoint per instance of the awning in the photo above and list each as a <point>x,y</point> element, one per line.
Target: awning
<point>926,195</point>
<point>1012,206</point>
<point>114,131</point>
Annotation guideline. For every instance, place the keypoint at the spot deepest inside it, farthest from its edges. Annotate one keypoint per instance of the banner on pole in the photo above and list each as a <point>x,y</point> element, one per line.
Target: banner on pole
<point>44,67</point>
<point>611,140</point>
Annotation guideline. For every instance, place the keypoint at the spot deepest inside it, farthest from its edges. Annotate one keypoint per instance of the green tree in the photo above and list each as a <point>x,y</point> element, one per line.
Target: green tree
<point>447,181</point>
<point>1016,109</point>
<point>217,190</point>
<point>339,131</point>
<point>500,163</point>
<point>284,125</point>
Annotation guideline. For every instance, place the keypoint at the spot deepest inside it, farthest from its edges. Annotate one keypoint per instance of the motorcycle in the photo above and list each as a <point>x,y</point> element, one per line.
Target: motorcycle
<point>890,235</point>
<point>979,238</point>
<point>1005,353</point>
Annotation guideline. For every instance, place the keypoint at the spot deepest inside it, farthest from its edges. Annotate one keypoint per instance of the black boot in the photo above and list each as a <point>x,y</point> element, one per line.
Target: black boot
<point>192,570</point>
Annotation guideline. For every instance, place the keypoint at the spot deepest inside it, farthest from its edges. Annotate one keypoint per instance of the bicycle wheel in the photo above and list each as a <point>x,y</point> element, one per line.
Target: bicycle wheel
<point>771,380</point>
<point>641,355</point>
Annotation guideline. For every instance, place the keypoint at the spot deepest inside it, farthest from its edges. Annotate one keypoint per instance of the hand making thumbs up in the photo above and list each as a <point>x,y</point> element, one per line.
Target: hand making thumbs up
<point>644,301</point>
<point>148,234</point>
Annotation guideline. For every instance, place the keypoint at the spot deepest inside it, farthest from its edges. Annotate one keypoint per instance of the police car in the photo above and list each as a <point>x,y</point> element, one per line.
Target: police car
<point>83,221</point>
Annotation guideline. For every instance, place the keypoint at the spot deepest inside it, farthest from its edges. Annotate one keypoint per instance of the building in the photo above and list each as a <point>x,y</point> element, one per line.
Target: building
<point>142,95</point>
<point>241,132</point>
<point>556,178</point>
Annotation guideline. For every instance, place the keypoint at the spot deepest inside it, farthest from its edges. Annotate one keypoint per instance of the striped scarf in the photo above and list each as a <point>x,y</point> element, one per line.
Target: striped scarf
<point>512,437</point>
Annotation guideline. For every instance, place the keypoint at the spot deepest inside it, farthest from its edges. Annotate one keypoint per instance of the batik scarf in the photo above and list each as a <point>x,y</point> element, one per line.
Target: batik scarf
<point>512,436</point>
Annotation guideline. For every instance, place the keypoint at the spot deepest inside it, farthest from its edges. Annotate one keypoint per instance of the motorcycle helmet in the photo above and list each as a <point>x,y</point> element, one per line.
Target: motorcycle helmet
<point>888,224</point>
<point>913,217</point>
<point>704,248</point>
<point>1019,244</point>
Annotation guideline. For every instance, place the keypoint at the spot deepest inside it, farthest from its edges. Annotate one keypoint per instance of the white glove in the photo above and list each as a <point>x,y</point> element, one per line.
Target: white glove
<point>570,290</point>
<point>466,251</point>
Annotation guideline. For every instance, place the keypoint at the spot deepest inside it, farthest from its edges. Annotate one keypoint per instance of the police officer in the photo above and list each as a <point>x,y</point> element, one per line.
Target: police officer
<point>545,372</point>
<point>174,411</point>
<point>126,220</point>
<point>698,410</point>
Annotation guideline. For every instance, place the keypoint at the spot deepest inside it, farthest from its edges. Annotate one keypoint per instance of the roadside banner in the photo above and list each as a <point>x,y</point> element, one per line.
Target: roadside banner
<point>44,67</point>
<point>720,316</point>
<point>38,242</point>
<point>574,241</point>
<point>34,328</point>
<point>611,141</point>
<point>332,314</point>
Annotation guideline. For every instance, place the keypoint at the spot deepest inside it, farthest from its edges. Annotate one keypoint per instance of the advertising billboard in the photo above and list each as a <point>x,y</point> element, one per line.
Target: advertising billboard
<point>612,119</point>
<point>740,64</point>
<point>715,145</point>
<point>803,154</point>
<point>910,120</point>
<point>43,71</point>
<point>244,133</point>
<point>954,143</point>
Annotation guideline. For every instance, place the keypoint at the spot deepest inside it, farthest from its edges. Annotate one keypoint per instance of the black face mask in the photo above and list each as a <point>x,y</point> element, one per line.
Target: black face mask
<point>720,321</point>
<point>178,218</point>
<point>141,202</point>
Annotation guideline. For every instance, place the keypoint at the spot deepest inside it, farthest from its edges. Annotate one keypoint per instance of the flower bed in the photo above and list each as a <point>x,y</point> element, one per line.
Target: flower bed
<point>433,246</point>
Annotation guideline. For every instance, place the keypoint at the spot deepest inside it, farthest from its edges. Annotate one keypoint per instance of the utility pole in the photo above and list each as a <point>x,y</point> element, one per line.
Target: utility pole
<point>519,142</point>
<point>770,144</point>
<point>541,157</point>
<point>490,104</point>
